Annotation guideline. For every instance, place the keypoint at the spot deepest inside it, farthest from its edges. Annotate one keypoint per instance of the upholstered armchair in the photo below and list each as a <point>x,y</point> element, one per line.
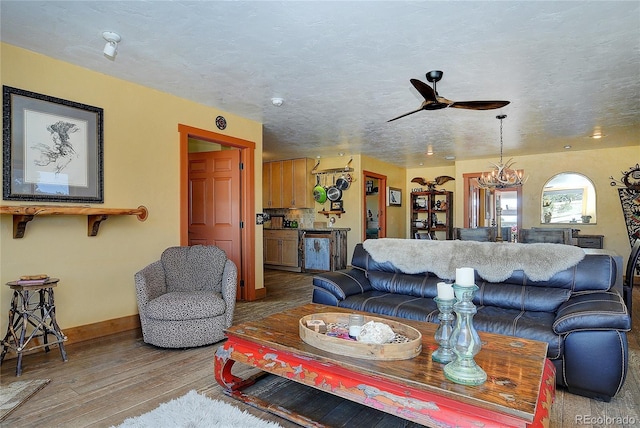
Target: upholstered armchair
<point>187,298</point>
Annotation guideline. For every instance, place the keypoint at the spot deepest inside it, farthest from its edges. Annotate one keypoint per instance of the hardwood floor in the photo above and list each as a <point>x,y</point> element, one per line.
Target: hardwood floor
<point>108,380</point>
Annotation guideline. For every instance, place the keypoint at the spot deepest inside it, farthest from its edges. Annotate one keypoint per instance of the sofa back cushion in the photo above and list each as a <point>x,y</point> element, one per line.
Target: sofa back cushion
<point>422,285</point>
<point>508,296</point>
<point>194,268</point>
<point>361,259</point>
<point>594,272</point>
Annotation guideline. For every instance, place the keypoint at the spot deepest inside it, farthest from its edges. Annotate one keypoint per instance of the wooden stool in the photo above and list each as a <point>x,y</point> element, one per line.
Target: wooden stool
<point>28,320</point>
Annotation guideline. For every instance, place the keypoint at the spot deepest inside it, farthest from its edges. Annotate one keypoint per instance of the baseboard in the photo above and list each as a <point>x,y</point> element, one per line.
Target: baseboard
<point>102,328</point>
<point>261,293</point>
<point>88,332</point>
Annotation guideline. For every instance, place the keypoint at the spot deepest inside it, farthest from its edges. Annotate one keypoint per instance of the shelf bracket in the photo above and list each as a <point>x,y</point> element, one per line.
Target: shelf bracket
<point>93,223</point>
<point>20,225</point>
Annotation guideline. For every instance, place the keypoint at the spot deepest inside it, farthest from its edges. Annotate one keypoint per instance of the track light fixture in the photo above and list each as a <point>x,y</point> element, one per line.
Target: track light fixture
<point>111,48</point>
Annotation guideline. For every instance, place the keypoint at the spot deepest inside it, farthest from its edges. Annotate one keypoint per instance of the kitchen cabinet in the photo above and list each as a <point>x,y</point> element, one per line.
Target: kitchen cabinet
<point>297,183</point>
<point>432,213</point>
<point>288,184</point>
<point>272,185</point>
<point>280,249</point>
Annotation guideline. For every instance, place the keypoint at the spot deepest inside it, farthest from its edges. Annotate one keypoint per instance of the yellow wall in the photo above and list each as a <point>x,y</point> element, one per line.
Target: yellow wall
<point>141,156</point>
<point>598,165</point>
<point>353,198</point>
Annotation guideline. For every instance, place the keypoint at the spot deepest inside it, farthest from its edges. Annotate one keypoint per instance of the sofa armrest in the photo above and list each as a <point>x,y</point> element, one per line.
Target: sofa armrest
<point>598,310</point>
<point>150,283</point>
<point>343,283</point>
<point>229,290</point>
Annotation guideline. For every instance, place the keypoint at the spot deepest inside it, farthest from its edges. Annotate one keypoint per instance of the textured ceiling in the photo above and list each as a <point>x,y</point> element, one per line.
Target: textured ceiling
<point>343,68</point>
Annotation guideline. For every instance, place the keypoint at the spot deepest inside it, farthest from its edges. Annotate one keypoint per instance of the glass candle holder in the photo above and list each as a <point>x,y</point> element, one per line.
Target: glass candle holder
<point>465,340</point>
<point>356,321</point>
<point>444,354</point>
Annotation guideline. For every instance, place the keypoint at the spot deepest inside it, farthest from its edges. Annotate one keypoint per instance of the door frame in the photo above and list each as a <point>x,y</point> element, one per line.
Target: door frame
<point>382,203</point>
<point>246,272</point>
<point>469,180</point>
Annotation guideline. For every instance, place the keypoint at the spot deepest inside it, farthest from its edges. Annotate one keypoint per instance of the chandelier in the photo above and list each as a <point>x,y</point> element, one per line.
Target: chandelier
<point>502,175</point>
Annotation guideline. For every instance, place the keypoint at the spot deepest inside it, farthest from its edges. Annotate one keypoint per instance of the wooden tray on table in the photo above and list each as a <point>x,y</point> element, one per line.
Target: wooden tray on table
<point>406,345</point>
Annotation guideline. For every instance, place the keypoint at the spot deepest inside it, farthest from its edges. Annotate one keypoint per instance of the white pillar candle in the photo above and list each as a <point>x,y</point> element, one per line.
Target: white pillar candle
<point>465,277</point>
<point>445,291</point>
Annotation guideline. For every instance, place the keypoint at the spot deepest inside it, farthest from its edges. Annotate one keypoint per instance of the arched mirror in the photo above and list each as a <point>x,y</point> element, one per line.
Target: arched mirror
<point>568,197</point>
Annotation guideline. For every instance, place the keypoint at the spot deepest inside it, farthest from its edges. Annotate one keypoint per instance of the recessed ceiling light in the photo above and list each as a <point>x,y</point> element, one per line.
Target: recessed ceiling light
<point>421,163</point>
<point>597,133</point>
<point>450,157</point>
<point>277,101</point>
<point>567,147</point>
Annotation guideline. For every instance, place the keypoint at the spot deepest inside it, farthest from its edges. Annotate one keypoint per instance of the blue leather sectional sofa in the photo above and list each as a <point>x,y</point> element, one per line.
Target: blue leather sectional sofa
<point>579,312</point>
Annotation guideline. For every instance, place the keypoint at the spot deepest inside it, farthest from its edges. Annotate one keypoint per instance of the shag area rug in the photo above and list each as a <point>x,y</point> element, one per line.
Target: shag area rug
<point>197,411</point>
<point>493,261</point>
<point>16,393</point>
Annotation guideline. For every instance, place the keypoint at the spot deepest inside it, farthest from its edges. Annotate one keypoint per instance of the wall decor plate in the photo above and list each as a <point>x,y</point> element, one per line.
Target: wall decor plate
<point>221,122</point>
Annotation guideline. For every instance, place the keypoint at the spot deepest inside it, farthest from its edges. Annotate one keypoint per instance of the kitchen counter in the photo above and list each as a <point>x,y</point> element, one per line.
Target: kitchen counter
<point>310,229</point>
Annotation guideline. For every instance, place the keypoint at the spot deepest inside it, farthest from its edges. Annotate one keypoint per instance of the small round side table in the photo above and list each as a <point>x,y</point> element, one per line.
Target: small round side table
<point>31,318</point>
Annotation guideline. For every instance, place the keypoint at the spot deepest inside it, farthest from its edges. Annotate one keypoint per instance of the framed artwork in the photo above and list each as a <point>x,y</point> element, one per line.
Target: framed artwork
<point>52,149</point>
<point>394,196</point>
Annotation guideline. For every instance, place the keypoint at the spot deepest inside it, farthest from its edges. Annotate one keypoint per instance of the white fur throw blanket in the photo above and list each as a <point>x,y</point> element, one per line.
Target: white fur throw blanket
<point>493,261</point>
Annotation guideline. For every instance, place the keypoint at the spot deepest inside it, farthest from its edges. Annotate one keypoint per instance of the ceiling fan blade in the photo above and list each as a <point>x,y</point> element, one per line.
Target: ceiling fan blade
<point>425,90</point>
<point>406,114</point>
<point>479,105</point>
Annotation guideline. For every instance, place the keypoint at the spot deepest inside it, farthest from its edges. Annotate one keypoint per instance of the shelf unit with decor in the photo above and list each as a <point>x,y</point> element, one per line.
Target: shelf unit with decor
<point>432,213</point>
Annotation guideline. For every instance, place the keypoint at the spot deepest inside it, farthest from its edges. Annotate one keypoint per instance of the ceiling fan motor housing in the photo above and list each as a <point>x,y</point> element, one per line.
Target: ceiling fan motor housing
<point>434,75</point>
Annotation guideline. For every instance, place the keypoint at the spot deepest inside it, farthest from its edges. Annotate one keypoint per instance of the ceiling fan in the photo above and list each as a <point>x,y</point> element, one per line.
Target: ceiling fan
<point>433,101</point>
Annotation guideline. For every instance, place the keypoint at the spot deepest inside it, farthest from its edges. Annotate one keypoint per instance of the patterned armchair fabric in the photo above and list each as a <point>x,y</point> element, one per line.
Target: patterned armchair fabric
<point>186,298</point>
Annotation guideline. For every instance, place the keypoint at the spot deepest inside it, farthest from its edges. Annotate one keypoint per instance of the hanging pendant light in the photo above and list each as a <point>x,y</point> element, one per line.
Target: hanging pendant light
<point>502,175</point>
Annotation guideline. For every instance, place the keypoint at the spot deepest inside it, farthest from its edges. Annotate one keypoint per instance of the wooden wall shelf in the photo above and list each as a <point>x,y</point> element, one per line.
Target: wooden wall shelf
<point>25,213</point>
<point>328,213</point>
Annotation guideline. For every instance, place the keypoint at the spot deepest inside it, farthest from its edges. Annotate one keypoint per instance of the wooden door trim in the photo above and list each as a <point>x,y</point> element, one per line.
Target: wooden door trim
<point>382,202</point>
<point>467,181</point>
<point>247,190</point>
<point>466,206</point>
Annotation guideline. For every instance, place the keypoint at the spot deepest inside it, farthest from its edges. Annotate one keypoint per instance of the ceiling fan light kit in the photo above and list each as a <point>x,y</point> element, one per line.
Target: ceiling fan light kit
<point>502,175</point>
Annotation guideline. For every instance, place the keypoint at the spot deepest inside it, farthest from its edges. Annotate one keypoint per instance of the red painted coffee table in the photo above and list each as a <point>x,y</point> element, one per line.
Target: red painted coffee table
<point>519,390</point>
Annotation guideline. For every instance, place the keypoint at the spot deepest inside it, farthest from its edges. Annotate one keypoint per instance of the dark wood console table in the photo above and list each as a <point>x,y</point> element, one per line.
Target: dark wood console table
<point>589,241</point>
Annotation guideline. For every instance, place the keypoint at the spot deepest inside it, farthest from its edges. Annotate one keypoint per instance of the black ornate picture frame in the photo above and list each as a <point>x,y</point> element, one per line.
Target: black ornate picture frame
<point>52,149</point>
